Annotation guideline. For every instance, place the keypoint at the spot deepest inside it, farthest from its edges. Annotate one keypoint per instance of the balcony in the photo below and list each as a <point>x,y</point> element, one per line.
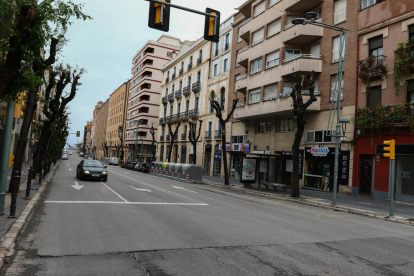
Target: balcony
<point>208,135</point>
<point>241,83</point>
<point>162,121</point>
<point>217,134</point>
<point>301,34</point>
<point>187,90</point>
<point>173,76</point>
<point>174,118</point>
<point>193,114</point>
<point>190,66</point>
<point>184,116</point>
<point>168,138</point>
<point>196,86</point>
<point>199,60</point>
<point>184,137</point>
<point>372,68</point>
<point>164,100</point>
<point>167,80</point>
<point>180,72</point>
<point>171,97</point>
<point>168,119</point>
<point>161,138</point>
<point>178,94</point>
<point>278,107</point>
<point>244,30</point>
<point>301,5</point>
<point>301,64</point>
<point>243,56</point>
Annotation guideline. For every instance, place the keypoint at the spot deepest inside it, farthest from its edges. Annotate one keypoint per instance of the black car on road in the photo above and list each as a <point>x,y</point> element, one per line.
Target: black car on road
<point>91,169</point>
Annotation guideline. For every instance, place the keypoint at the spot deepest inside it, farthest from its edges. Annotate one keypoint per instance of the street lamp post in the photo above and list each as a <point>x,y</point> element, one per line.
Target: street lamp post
<point>335,110</point>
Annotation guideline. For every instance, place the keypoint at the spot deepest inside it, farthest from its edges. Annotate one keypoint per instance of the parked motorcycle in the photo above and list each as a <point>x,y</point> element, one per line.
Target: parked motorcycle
<point>146,168</point>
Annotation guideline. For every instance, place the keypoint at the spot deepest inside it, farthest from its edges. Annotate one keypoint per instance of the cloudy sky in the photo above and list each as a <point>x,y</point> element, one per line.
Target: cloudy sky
<point>105,45</point>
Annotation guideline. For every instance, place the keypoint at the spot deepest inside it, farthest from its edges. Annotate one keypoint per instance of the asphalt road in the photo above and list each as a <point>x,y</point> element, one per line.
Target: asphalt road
<point>138,224</point>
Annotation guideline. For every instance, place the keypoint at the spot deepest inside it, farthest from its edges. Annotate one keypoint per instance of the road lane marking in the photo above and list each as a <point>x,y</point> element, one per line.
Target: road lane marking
<point>142,190</point>
<point>70,169</point>
<point>127,172</point>
<point>127,203</point>
<point>182,188</point>
<point>296,206</point>
<point>115,192</point>
<point>77,186</point>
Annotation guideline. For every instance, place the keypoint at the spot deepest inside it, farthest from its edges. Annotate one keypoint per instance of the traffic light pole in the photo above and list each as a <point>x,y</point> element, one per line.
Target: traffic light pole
<point>4,159</point>
<point>392,185</point>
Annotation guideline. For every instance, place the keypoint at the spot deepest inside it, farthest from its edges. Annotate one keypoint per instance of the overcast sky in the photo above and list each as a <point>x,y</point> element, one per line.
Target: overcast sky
<point>105,45</point>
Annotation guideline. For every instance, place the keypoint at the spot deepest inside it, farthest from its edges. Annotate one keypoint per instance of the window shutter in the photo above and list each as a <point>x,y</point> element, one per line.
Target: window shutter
<point>270,91</point>
<point>272,57</point>
<point>257,36</point>
<point>259,8</point>
<point>290,18</point>
<point>310,136</point>
<point>274,27</point>
<point>376,42</point>
<point>339,5</point>
<point>315,49</point>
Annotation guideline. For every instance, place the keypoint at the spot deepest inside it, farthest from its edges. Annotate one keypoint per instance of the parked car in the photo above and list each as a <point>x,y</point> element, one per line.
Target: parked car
<point>70,153</point>
<point>91,169</point>
<point>81,154</point>
<point>86,157</point>
<point>113,161</point>
<point>65,156</point>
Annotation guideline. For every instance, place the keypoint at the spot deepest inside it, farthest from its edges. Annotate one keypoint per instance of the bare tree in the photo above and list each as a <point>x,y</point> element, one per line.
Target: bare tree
<point>173,134</point>
<point>105,147</point>
<point>152,131</point>
<point>218,108</point>
<point>299,109</point>
<point>194,137</point>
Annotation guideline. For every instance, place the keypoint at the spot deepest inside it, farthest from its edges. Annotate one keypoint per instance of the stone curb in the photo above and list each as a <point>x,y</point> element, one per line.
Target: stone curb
<point>304,201</point>
<point>9,239</point>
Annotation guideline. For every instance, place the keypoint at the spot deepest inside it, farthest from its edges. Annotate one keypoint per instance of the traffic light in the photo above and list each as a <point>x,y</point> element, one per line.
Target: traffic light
<point>77,133</point>
<point>159,16</point>
<point>19,106</point>
<point>209,26</point>
<point>120,129</point>
<point>390,149</point>
<point>11,160</point>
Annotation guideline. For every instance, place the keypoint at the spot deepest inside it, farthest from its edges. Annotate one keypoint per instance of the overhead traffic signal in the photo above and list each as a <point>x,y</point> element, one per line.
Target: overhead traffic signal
<point>159,16</point>
<point>11,160</point>
<point>390,149</point>
<point>19,104</point>
<point>77,133</point>
<point>120,128</point>
<point>212,26</point>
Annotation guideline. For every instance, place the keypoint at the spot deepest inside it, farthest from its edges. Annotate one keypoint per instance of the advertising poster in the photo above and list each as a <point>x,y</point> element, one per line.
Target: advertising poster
<point>326,177</point>
<point>289,165</point>
<point>263,166</point>
<point>249,170</point>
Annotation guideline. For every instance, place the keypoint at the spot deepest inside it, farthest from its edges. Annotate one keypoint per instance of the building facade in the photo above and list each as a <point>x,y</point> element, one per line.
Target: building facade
<point>270,54</point>
<point>117,111</point>
<point>184,89</point>
<point>101,130</point>
<point>93,130</point>
<point>145,93</point>
<point>385,98</point>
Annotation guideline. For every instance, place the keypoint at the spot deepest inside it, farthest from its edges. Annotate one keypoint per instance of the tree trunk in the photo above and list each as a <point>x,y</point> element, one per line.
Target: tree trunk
<point>223,152</point>
<point>295,150</point>
<point>40,147</point>
<point>195,153</point>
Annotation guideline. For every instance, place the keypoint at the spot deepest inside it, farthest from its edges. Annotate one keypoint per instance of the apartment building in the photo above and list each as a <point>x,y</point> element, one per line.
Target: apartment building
<point>101,130</point>
<point>144,100</point>
<point>87,142</point>
<point>94,125</point>
<point>270,54</point>
<point>117,112</point>
<point>385,98</point>
<point>218,87</point>
<point>184,89</point>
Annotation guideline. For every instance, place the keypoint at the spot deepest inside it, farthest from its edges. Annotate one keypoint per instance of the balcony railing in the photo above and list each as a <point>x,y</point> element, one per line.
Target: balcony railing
<point>168,119</point>
<point>168,138</point>
<point>196,86</point>
<point>208,135</point>
<point>243,49</point>
<point>199,60</point>
<point>180,73</point>
<point>240,77</point>
<point>217,134</point>
<point>301,56</point>
<point>164,99</point>
<point>171,97</point>
<point>194,113</point>
<point>340,16</point>
<point>400,115</point>
<point>162,121</point>
<point>178,94</point>
<point>173,76</point>
<point>167,80</point>
<point>184,136</point>
<point>190,66</point>
<point>183,116</point>
<point>372,67</point>
<point>186,90</point>
<point>161,138</point>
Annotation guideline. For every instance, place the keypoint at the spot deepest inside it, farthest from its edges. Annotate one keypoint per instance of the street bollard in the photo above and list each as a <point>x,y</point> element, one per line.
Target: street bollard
<point>14,191</point>
<point>40,173</point>
<point>29,183</point>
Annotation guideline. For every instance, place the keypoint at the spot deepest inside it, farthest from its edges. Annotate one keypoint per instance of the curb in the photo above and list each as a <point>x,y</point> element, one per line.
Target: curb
<point>9,239</point>
<point>304,201</point>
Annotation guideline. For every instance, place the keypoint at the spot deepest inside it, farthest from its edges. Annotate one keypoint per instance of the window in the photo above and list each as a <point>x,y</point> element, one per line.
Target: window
<point>270,92</point>
<point>239,139</point>
<point>259,8</point>
<point>318,136</point>
<point>196,103</point>
<point>215,70</point>
<point>287,87</point>
<point>239,39</point>
<point>173,88</point>
<point>335,49</point>
<point>225,65</point>
<point>191,60</point>
<point>410,95</point>
<point>367,3</point>
<point>286,125</point>
<point>374,97</point>
<point>274,28</point>
<point>200,54</point>
<point>182,65</point>
<point>263,127</point>
<point>178,108</point>
<point>223,98</point>
<point>273,2</point>
<point>189,81</point>
<point>272,60</point>
<point>376,49</point>
<point>258,36</point>
<point>292,54</point>
<point>339,11</point>
<point>166,92</point>
<point>255,96</point>
<point>227,41</point>
<point>411,32</point>
<point>181,85</point>
<point>256,66</point>
<point>289,21</point>
<point>333,95</point>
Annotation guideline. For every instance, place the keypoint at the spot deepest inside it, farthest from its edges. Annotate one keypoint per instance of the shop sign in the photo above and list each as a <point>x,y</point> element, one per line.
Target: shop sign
<point>249,169</point>
<point>217,156</point>
<point>261,152</point>
<point>319,152</point>
<point>237,147</point>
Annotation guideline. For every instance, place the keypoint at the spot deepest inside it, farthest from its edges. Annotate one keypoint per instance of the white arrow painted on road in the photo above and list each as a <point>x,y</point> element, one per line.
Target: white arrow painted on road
<point>183,189</point>
<point>142,190</point>
<point>70,169</point>
<point>77,186</point>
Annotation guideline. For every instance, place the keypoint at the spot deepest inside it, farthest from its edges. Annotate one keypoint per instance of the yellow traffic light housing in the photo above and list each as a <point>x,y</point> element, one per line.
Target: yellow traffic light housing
<point>77,133</point>
<point>159,16</point>
<point>390,149</point>
<point>212,26</point>
<point>19,106</point>
<point>11,160</point>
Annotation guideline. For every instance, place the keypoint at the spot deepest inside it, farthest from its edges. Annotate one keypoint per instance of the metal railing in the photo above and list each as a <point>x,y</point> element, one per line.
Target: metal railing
<point>173,76</point>
<point>245,22</point>
<point>193,113</point>
<point>162,121</point>
<point>168,138</point>
<point>217,134</point>
<point>184,136</point>
<point>167,80</point>
<point>240,77</point>
<point>164,99</point>
<point>190,66</point>
<point>178,94</point>
<point>171,97</point>
<point>180,72</point>
<point>161,138</point>
<point>196,86</point>
<point>272,63</point>
<point>199,60</point>
<point>243,49</point>
<point>302,56</point>
<point>208,135</point>
<point>187,90</point>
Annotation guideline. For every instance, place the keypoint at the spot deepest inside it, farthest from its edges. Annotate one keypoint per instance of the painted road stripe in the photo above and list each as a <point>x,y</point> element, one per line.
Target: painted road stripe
<point>127,203</point>
<point>115,192</point>
<point>141,190</point>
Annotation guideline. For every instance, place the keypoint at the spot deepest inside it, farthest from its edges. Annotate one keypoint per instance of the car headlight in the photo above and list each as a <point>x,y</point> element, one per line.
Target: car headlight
<point>104,172</point>
<point>86,172</point>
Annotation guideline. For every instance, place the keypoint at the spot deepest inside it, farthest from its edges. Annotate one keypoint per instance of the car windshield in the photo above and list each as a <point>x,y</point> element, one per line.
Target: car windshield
<point>92,163</point>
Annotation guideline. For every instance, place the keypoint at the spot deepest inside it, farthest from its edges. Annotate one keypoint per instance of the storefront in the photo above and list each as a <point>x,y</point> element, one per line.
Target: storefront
<point>207,159</point>
<point>217,160</point>
<point>284,167</point>
<point>319,168</point>
<point>237,152</point>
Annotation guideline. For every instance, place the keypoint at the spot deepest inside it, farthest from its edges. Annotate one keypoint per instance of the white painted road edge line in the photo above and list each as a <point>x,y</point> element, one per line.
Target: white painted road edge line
<point>115,192</point>
<point>141,190</point>
<point>128,203</point>
<point>177,187</point>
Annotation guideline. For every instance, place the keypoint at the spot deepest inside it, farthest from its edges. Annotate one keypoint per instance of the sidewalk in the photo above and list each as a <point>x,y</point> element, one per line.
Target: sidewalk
<point>362,204</point>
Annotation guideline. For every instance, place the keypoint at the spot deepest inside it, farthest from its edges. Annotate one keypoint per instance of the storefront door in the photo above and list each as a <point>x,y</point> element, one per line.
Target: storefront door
<point>207,160</point>
<point>405,179</point>
<point>365,182</point>
<point>217,161</point>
